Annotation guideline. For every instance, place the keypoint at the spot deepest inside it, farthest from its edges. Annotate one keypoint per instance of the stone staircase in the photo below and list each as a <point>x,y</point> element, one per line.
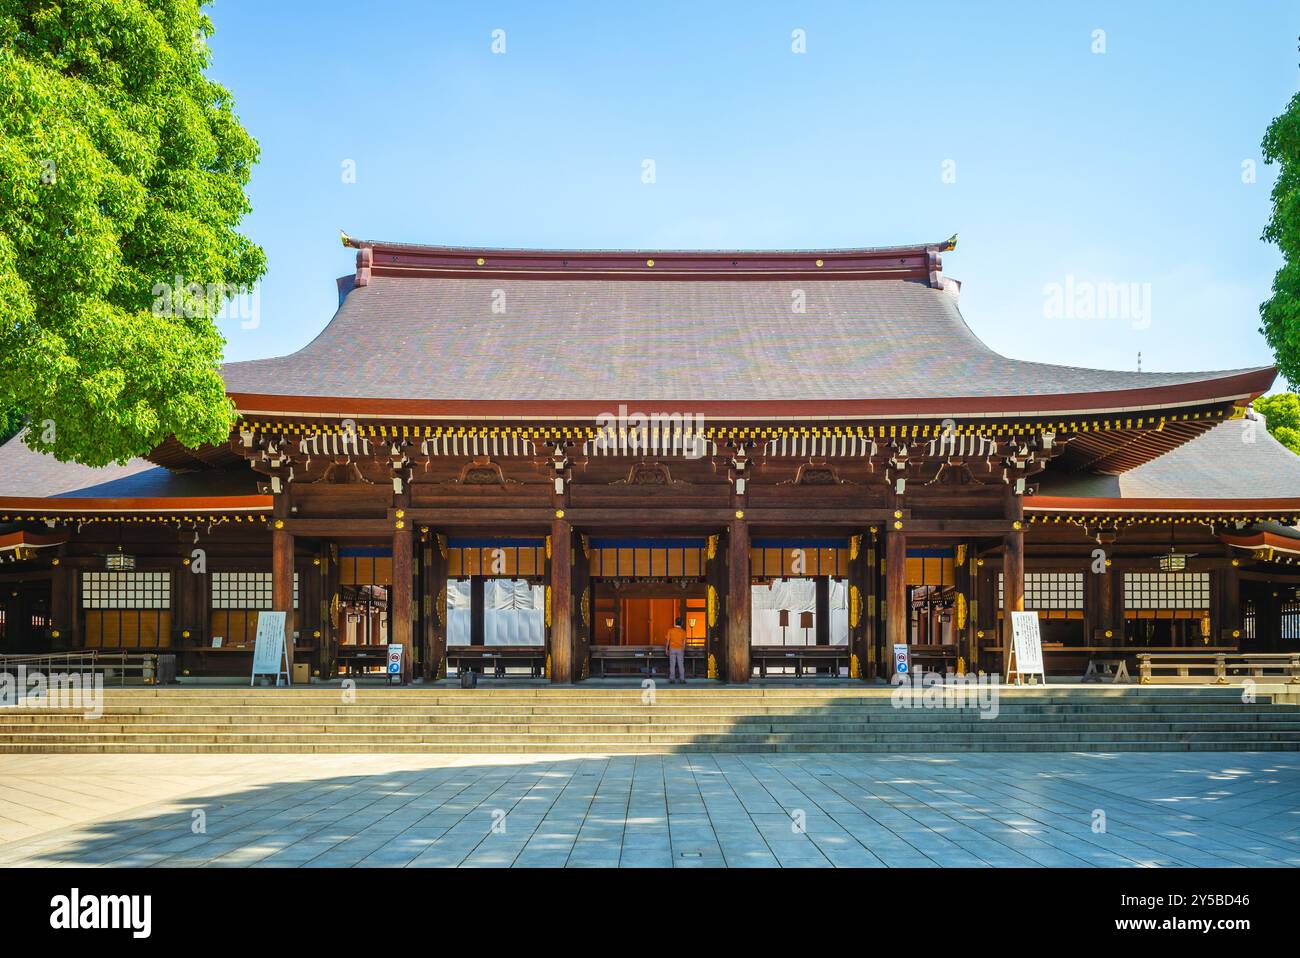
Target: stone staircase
<point>616,720</point>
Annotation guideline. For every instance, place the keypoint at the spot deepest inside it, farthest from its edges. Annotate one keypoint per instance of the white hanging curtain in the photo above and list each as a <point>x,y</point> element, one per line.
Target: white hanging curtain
<point>796,596</point>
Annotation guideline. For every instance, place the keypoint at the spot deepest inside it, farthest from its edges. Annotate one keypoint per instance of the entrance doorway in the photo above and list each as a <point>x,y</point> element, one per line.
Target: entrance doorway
<point>630,621</point>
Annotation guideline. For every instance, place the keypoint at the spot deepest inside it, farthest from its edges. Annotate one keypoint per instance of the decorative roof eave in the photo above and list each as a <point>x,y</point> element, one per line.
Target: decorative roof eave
<point>1042,510</point>
<point>1238,389</point>
<point>23,507</point>
<point>21,541</point>
<point>921,261</point>
<point>1265,542</point>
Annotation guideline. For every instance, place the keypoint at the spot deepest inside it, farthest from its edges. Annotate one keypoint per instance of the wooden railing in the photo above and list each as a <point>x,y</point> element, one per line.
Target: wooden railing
<point>1216,668</point>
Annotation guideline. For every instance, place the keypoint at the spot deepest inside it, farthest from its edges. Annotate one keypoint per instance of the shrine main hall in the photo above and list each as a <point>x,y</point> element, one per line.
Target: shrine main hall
<point>529,464</point>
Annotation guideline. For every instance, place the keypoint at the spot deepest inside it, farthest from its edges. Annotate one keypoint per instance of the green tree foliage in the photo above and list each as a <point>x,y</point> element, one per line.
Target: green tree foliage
<point>1282,412</point>
<point>122,176</point>
<point>1281,312</point>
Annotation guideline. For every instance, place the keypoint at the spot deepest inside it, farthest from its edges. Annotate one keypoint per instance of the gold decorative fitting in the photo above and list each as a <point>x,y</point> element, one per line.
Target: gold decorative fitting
<point>961,611</point>
<point>1235,562</point>
<point>185,634</point>
<point>855,606</point>
<point>183,561</point>
<point>898,525</point>
<point>401,513</point>
<point>480,261</point>
<point>315,561</point>
<point>979,634</point>
<point>898,514</point>
<point>279,523</point>
<point>711,547</point>
<point>1236,633</point>
<point>959,555</point>
<point>650,262</point>
<point>711,607</point>
<point>399,524</point>
<point>315,634</point>
<point>1110,634</point>
<point>1016,524</point>
<point>559,513</point>
<point>54,633</point>
<point>979,563</point>
<point>548,606</point>
<point>740,513</point>
<point>855,546</point>
<point>56,562</point>
<point>819,262</point>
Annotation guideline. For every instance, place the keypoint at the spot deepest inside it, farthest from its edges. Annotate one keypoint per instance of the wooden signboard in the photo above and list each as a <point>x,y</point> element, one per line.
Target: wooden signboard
<point>1027,648</point>
<point>270,657</point>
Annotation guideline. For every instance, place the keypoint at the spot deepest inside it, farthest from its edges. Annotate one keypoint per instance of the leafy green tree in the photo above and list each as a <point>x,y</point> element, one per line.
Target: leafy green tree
<point>1281,312</point>
<point>122,178</point>
<point>1282,412</point>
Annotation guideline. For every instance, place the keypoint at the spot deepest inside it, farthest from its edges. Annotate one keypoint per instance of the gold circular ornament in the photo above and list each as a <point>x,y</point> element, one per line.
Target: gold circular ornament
<point>819,262</point>
<point>650,262</point>
<point>480,261</point>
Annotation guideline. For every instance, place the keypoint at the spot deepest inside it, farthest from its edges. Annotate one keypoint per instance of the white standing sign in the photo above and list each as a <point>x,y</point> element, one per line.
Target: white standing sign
<point>1027,647</point>
<point>395,662</point>
<point>270,657</point>
<point>902,664</point>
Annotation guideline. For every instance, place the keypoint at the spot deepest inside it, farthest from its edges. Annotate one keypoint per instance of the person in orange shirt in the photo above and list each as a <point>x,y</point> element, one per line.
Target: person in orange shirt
<point>675,645</point>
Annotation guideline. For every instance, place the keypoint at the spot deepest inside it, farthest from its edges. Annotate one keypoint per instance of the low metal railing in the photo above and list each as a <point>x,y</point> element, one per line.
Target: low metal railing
<point>112,664</point>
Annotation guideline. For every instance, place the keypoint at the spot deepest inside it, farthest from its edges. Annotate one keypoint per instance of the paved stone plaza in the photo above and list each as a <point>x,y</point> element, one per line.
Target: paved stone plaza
<point>1206,809</point>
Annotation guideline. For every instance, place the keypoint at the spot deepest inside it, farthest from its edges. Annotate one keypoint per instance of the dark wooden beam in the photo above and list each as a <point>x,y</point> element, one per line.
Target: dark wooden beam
<point>282,585</point>
<point>739,595</point>
<point>561,600</point>
<point>400,625</point>
<point>896,613</point>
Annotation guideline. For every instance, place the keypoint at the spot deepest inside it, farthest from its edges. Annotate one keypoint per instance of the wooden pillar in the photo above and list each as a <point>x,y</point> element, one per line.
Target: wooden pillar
<point>738,601</point>
<point>282,585</point>
<point>561,598</point>
<point>582,609</point>
<point>862,633</point>
<point>433,621</point>
<point>1229,605</point>
<point>896,611</point>
<point>399,625</point>
<point>1013,586</point>
<point>477,610</point>
<point>327,654</point>
<point>715,568</point>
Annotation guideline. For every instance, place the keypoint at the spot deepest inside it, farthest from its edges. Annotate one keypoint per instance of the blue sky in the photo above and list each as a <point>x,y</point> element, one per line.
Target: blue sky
<point>1070,165</point>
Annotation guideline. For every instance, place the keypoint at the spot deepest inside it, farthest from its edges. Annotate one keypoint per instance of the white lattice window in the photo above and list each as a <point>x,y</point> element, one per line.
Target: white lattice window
<point>246,590</point>
<point>126,590</point>
<point>1051,591</point>
<point>1166,590</point>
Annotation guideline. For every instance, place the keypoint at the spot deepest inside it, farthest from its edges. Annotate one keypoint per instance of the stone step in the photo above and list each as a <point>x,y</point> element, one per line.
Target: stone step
<point>230,729</point>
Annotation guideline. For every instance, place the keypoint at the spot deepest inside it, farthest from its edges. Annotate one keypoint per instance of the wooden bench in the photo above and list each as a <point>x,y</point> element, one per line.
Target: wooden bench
<point>802,657</point>
<point>644,659</point>
<point>933,658</point>
<point>479,658</point>
<point>353,659</point>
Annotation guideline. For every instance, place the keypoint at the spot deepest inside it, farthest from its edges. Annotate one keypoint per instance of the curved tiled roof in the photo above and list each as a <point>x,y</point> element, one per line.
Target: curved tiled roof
<point>674,341</point>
